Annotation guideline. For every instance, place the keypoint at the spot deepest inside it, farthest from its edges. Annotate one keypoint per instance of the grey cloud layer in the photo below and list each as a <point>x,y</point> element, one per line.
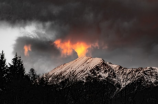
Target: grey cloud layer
<point>129,28</point>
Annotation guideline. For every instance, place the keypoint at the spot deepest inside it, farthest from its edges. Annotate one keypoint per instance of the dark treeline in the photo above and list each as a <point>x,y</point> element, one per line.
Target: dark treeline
<point>18,87</point>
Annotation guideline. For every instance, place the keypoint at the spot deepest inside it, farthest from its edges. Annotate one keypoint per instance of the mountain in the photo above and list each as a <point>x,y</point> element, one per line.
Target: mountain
<point>95,81</point>
<point>83,67</point>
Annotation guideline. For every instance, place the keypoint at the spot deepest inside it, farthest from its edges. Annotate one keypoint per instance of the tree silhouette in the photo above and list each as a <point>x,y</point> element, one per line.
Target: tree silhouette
<point>33,76</point>
<point>17,70</point>
<point>3,71</point>
<point>43,81</point>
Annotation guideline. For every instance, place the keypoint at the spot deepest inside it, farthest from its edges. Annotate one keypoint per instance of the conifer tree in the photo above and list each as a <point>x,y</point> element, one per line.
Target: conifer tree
<point>43,80</point>
<point>33,76</point>
<point>3,71</point>
<point>17,70</point>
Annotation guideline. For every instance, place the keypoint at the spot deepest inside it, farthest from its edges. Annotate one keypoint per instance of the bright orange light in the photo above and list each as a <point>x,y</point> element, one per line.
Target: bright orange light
<point>67,47</point>
<point>26,49</point>
<point>81,48</point>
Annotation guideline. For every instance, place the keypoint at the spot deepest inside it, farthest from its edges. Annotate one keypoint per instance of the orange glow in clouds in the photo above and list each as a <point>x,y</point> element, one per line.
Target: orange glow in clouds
<point>27,48</point>
<point>67,47</point>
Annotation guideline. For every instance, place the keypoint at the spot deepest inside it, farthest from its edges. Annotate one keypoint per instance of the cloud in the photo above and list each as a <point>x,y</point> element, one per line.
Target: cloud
<point>43,55</point>
<point>128,28</point>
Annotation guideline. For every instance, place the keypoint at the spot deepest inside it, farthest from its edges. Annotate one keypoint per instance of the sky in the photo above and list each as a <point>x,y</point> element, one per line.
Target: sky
<point>124,32</point>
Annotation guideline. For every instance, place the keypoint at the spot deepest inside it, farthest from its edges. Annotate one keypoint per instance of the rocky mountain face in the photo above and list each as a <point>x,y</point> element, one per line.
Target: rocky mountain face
<point>94,77</point>
<point>84,67</point>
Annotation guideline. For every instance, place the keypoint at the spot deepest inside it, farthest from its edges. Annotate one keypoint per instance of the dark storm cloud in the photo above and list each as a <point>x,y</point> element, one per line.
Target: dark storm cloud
<point>128,27</point>
<point>43,46</point>
<point>43,55</point>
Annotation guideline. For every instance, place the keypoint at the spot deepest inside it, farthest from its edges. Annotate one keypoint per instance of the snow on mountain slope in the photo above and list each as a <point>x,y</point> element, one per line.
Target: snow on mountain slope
<point>83,67</point>
<point>79,67</point>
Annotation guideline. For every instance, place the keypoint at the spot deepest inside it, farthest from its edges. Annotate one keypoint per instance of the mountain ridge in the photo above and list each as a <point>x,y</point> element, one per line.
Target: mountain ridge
<point>82,68</point>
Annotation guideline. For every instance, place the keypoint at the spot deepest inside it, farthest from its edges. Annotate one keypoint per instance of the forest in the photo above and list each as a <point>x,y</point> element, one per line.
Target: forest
<point>19,87</point>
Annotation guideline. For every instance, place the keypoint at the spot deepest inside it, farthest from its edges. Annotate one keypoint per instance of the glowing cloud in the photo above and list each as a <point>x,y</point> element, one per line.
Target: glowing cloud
<point>27,48</point>
<point>81,48</point>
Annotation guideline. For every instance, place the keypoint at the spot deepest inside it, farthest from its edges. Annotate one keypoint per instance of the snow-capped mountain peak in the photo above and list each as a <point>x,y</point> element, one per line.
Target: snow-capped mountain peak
<point>80,67</point>
<point>84,67</point>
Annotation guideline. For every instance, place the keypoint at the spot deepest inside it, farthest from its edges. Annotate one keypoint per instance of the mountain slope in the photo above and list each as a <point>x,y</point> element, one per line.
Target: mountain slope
<point>120,77</point>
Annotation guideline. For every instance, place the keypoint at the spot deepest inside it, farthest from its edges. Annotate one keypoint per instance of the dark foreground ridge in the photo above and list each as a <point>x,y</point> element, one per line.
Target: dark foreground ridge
<point>83,81</point>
